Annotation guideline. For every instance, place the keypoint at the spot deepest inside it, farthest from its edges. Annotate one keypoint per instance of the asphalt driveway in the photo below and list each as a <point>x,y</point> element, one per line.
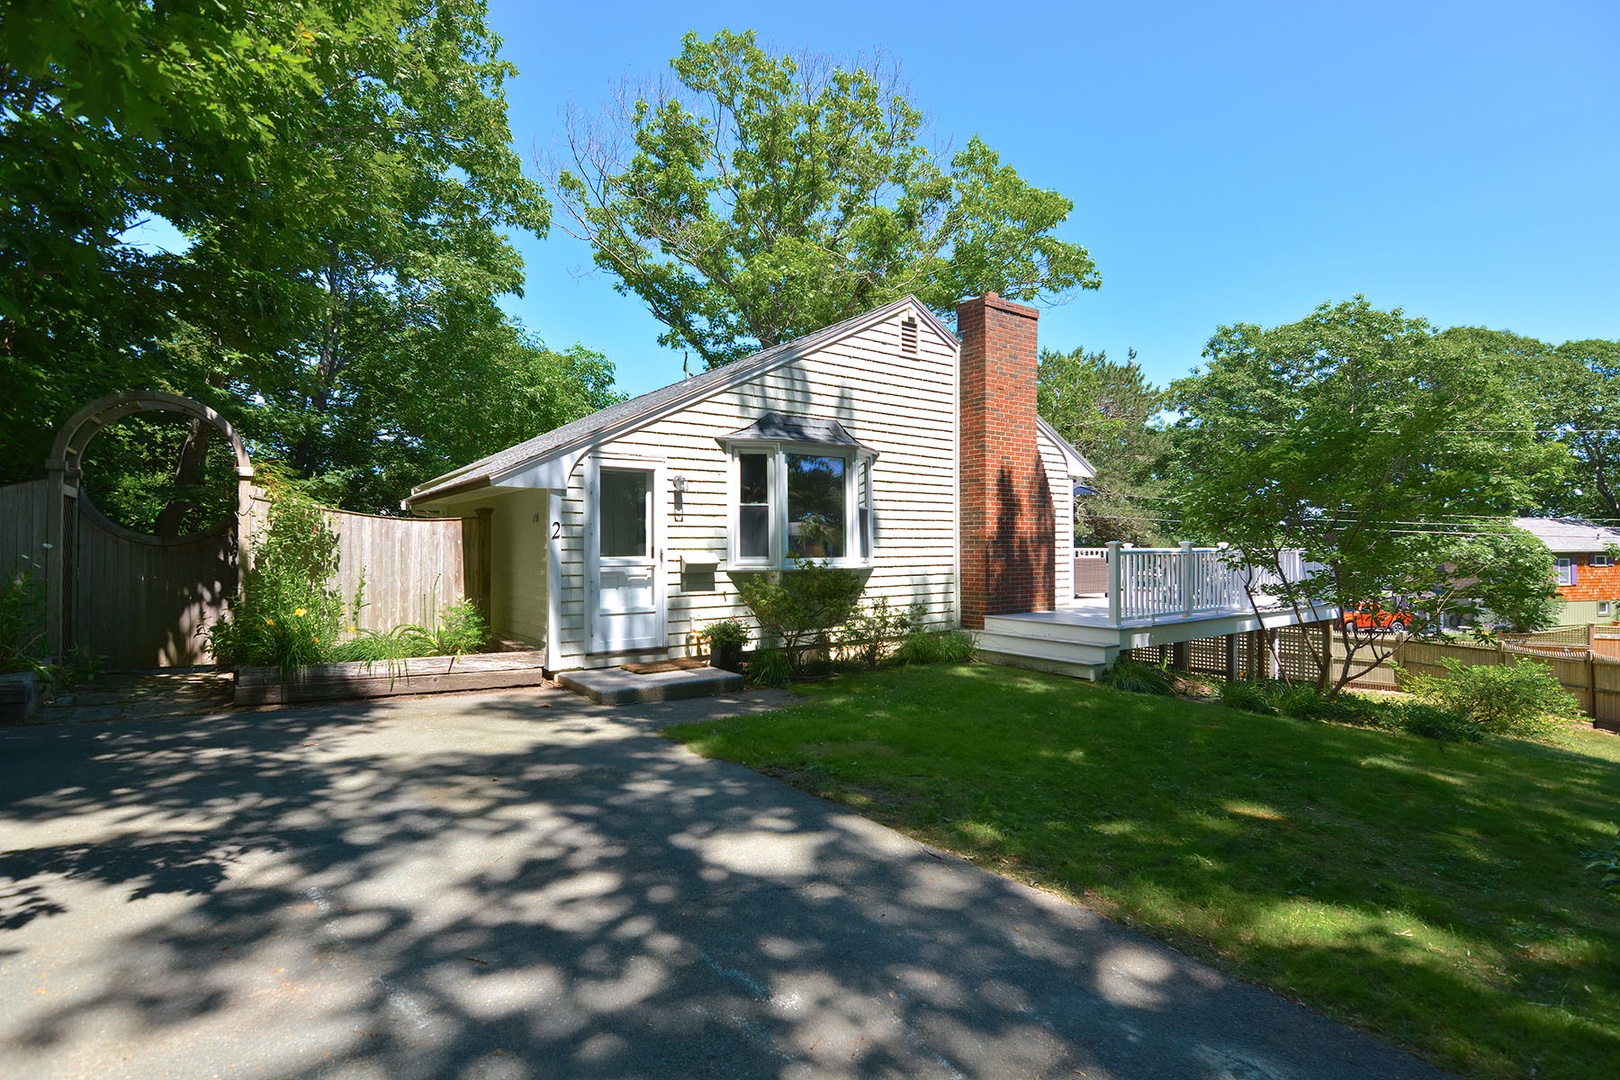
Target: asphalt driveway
<point>524,885</point>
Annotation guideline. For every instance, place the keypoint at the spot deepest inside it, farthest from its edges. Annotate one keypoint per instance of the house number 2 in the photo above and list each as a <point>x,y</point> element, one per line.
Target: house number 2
<point>556,530</point>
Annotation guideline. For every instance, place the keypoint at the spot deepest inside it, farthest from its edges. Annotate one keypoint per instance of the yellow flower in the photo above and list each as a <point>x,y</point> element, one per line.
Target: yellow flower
<point>317,641</point>
<point>269,622</point>
<point>300,611</point>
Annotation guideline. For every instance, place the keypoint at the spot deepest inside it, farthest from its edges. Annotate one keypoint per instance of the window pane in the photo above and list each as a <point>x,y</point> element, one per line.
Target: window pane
<point>815,504</point>
<point>752,468</point>
<point>623,523</point>
<point>755,524</point>
<point>863,509</point>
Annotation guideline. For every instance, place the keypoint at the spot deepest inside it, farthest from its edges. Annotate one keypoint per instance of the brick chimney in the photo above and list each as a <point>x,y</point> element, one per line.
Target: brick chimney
<point>1007,519</point>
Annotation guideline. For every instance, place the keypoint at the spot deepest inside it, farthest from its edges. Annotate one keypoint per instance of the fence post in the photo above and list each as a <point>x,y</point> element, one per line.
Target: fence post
<point>1187,577</point>
<point>1591,673</point>
<point>1113,583</point>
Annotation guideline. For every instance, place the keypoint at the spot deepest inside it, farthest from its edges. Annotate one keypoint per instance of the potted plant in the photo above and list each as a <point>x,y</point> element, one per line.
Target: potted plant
<point>726,639</point>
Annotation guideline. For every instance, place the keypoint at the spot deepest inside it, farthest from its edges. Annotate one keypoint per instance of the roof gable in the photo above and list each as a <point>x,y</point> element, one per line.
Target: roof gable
<point>564,444</point>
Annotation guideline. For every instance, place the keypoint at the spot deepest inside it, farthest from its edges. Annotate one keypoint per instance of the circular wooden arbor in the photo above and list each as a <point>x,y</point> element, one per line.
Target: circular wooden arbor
<point>67,506</point>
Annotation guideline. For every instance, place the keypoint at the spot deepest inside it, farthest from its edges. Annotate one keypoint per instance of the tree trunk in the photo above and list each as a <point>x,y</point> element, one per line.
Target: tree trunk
<point>188,473</point>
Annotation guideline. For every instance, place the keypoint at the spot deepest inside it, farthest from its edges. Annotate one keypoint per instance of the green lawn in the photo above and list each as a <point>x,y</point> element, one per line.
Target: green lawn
<point>1435,894</point>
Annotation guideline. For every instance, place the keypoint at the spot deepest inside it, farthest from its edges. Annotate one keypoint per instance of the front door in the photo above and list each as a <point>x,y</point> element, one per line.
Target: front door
<point>626,590</point>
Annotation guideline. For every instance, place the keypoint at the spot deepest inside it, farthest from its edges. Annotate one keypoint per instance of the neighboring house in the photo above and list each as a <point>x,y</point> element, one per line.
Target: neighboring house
<point>882,444</point>
<point>1588,579</point>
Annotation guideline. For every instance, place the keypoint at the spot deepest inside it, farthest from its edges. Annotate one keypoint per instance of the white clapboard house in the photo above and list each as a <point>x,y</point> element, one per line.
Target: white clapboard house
<point>883,444</point>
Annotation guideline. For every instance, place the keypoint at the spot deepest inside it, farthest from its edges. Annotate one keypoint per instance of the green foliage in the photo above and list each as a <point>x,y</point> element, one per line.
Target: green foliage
<point>286,613</point>
<point>923,646</point>
<point>797,608</point>
<point>1434,721</point>
<point>462,629</point>
<point>343,181</point>
<point>1138,677</point>
<point>1606,865</point>
<point>1522,698</point>
<point>764,197</point>
<point>769,667</point>
<point>161,474</point>
<point>875,630</point>
<point>1391,455</point>
<point>22,620</point>
<point>1579,388</point>
<point>726,632</point>
<point>1108,410</point>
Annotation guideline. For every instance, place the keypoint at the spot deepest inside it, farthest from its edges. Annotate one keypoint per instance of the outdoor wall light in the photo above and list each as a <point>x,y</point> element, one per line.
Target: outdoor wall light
<point>680,485</point>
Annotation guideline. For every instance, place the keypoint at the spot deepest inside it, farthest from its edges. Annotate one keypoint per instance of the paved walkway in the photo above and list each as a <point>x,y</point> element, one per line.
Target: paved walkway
<point>522,884</point>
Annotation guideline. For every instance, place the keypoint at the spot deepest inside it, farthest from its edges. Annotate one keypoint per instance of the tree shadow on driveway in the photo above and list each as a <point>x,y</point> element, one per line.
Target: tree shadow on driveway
<point>520,884</point>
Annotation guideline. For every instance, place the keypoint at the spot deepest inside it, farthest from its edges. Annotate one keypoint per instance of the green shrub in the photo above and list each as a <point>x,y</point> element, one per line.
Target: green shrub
<point>1248,695</point>
<point>1504,699</point>
<point>935,647</point>
<point>286,614</point>
<point>1138,677</point>
<point>769,667</point>
<point>874,631</point>
<point>732,632</point>
<point>797,608</point>
<point>22,620</point>
<point>1436,722</point>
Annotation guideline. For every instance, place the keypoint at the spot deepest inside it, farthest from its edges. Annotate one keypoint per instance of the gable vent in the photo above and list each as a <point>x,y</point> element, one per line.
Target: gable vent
<point>908,337</point>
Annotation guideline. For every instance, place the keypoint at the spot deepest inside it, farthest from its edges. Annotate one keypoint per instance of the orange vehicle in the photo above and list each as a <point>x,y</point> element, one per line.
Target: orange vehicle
<point>1373,617</point>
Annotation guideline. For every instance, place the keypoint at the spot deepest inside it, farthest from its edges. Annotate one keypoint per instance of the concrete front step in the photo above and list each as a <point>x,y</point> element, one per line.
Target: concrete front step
<point>615,686</point>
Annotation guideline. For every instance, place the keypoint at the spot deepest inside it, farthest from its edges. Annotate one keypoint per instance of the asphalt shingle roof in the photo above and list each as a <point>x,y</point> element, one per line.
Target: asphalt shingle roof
<point>1568,536</point>
<point>626,414</point>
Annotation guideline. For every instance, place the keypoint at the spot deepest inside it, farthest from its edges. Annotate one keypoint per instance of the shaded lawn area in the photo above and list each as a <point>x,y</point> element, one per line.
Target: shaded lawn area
<point>1435,894</point>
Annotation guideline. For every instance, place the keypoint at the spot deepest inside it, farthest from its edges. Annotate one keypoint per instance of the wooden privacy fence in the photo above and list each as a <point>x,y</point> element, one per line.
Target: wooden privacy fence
<point>141,602</point>
<point>1591,675</point>
<point>412,567</point>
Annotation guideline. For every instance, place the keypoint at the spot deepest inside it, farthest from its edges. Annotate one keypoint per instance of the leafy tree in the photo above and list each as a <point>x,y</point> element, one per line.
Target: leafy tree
<point>1580,398</point>
<point>1108,410</point>
<point>343,176</point>
<point>1385,452</point>
<point>763,196</point>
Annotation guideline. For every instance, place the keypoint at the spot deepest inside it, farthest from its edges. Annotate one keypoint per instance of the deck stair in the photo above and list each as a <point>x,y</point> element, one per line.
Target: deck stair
<point>1040,641</point>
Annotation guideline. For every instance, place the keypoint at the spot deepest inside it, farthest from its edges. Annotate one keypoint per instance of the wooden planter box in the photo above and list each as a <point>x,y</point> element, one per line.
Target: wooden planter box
<point>19,697</point>
<point>418,675</point>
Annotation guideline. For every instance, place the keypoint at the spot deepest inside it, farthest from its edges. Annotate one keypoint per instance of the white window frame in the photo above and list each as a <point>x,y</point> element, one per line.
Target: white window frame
<point>1605,608</point>
<point>1601,558</point>
<point>1566,570</point>
<point>777,557</point>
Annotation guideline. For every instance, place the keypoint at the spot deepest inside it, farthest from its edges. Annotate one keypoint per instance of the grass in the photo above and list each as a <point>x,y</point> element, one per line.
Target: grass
<point>1435,894</point>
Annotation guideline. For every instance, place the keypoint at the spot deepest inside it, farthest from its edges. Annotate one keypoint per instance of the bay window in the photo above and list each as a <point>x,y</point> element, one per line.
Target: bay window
<point>801,489</point>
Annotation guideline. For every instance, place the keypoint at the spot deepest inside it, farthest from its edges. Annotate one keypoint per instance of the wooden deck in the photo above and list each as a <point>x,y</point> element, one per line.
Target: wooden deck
<point>1147,596</point>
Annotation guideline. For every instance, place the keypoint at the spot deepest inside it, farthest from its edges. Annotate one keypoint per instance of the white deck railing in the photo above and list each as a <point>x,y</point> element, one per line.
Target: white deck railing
<point>1160,584</point>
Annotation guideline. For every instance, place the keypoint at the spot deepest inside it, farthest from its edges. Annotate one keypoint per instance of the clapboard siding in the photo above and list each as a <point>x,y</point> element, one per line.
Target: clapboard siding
<point>903,407</point>
<point>518,566</point>
<point>1057,476</point>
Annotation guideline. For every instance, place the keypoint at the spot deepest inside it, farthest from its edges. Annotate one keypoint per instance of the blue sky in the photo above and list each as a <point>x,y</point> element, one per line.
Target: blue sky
<point>1228,162</point>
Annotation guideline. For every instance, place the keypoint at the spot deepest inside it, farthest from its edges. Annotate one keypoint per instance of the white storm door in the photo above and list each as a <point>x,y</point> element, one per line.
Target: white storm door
<point>626,590</point>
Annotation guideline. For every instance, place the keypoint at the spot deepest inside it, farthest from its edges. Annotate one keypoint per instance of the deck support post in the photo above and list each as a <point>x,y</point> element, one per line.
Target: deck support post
<point>1113,583</point>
